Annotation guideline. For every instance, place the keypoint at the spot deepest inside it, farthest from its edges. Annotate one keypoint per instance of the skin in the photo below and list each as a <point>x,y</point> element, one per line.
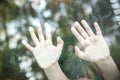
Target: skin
<point>95,47</point>
<point>96,50</point>
<point>46,54</point>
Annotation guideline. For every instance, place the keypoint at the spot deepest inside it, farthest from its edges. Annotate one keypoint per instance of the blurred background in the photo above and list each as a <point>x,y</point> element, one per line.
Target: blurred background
<point>17,63</point>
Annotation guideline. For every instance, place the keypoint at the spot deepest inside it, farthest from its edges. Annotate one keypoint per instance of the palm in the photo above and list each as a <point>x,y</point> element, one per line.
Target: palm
<point>95,47</point>
<point>46,55</point>
<point>44,51</point>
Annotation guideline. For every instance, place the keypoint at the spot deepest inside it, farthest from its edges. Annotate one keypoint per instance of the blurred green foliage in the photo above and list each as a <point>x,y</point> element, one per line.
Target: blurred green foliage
<point>67,13</point>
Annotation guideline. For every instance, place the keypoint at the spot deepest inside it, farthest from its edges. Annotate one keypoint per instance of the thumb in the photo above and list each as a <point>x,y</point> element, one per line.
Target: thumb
<point>60,43</point>
<point>79,53</point>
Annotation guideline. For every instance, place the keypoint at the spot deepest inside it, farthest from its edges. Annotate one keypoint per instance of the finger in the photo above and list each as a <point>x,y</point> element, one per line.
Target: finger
<point>97,28</point>
<point>87,28</point>
<point>33,36</point>
<point>60,43</point>
<point>77,35</point>
<point>81,30</point>
<point>79,53</point>
<point>27,45</point>
<point>40,34</point>
<point>47,32</point>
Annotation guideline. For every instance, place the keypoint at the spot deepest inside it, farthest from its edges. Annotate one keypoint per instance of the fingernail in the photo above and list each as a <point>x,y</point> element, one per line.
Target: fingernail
<point>30,29</point>
<point>23,41</point>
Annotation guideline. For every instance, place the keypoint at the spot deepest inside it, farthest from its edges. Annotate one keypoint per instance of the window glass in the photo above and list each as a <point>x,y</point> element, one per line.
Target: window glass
<point>16,16</point>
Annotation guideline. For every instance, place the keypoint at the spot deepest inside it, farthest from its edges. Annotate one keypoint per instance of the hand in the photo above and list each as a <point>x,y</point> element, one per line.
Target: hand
<point>95,47</point>
<point>44,51</point>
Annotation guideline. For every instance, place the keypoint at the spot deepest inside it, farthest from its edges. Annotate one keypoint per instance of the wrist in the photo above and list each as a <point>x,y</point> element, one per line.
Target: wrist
<point>103,60</point>
<point>52,67</point>
<point>106,63</point>
<point>54,72</point>
<point>108,68</point>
